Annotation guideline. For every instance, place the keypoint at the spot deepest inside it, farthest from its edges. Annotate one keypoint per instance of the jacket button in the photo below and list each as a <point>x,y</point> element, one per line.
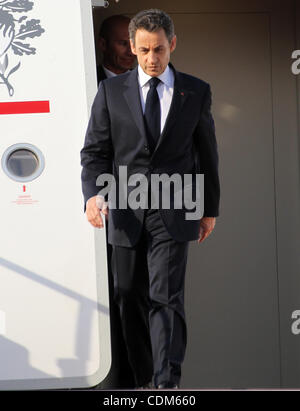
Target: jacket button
<point>146,147</point>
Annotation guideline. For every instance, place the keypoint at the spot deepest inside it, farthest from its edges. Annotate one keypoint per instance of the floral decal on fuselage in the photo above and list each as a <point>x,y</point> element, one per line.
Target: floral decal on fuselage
<point>14,35</point>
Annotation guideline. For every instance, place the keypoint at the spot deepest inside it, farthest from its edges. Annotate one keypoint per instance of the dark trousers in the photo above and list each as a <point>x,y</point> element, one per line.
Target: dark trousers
<point>149,290</point>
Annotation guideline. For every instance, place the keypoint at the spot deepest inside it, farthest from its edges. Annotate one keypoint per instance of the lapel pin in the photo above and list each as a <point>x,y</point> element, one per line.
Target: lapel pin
<point>182,93</point>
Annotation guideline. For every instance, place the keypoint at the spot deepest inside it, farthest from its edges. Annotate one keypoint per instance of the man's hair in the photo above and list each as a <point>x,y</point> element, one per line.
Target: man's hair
<point>151,20</point>
<point>109,23</point>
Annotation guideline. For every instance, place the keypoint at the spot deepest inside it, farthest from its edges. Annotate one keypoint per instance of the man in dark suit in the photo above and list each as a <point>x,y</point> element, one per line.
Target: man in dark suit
<point>117,57</point>
<point>153,121</point>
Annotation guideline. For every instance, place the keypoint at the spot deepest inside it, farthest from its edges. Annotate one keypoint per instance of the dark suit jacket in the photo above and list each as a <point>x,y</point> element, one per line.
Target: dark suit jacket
<point>116,137</point>
<point>100,73</point>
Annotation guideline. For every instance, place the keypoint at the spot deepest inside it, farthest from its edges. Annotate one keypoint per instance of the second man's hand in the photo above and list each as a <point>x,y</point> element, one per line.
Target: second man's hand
<point>94,207</point>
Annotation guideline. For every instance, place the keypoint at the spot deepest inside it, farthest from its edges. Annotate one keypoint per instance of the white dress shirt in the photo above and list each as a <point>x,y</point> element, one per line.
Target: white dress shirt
<point>108,73</point>
<point>165,90</point>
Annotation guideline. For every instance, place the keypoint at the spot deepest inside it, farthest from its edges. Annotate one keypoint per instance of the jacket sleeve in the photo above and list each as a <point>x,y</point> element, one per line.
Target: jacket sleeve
<point>207,153</point>
<point>97,153</point>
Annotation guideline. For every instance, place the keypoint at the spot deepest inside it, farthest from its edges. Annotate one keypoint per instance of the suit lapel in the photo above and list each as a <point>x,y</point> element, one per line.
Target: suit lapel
<point>133,98</point>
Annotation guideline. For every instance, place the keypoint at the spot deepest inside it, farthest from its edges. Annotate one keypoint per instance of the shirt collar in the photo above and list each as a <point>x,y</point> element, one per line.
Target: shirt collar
<point>167,77</point>
<point>109,73</point>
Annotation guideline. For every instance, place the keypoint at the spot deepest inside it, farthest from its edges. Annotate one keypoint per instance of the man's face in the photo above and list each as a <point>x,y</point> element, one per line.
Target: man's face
<point>116,50</point>
<point>153,51</point>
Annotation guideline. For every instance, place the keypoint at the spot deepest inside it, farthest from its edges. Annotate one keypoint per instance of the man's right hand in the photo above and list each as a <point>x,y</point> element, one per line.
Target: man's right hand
<point>94,207</point>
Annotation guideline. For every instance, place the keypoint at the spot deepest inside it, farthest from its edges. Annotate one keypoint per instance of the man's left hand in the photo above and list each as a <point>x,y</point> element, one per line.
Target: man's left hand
<point>207,224</point>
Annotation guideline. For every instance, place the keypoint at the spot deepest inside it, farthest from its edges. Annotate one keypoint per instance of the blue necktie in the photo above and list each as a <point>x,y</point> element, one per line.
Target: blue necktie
<point>152,114</point>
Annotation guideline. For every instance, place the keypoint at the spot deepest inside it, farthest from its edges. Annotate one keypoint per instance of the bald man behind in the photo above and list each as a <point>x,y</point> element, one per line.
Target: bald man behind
<point>115,47</point>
